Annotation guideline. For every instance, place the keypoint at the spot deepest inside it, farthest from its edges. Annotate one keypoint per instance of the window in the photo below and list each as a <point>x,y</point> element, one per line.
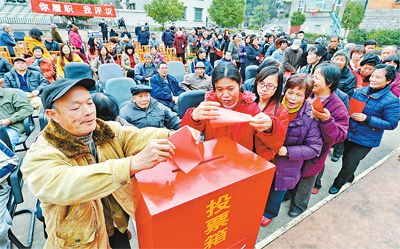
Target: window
<point>15,1</point>
<point>184,14</point>
<point>198,14</point>
<point>321,5</point>
<point>131,6</point>
<point>301,6</point>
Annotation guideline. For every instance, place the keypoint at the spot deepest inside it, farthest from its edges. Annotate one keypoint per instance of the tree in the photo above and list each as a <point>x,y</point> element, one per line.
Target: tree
<point>163,11</point>
<point>80,18</point>
<point>273,8</point>
<point>260,16</point>
<point>297,18</point>
<point>352,16</point>
<point>227,13</point>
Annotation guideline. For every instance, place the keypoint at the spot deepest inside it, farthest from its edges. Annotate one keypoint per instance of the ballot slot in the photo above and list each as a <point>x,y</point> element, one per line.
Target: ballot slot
<point>202,162</point>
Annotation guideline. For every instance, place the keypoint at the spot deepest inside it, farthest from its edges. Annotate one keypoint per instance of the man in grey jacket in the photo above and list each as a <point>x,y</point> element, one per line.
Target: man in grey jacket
<point>197,80</point>
<point>292,57</point>
<point>144,72</point>
<point>144,111</point>
<point>30,81</point>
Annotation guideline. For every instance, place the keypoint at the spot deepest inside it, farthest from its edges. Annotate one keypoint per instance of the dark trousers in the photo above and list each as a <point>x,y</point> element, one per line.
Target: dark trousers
<point>131,74</point>
<point>242,71</point>
<point>352,155</point>
<point>302,193</point>
<point>119,240</point>
<point>338,149</point>
<point>105,36</point>
<point>318,183</point>
<point>213,58</point>
<point>274,202</point>
<point>181,55</point>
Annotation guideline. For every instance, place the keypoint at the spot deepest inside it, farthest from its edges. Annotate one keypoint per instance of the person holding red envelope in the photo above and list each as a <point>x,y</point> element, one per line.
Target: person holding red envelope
<point>253,52</point>
<point>381,112</point>
<point>227,83</point>
<point>268,87</point>
<point>303,141</point>
<point>333,124</point>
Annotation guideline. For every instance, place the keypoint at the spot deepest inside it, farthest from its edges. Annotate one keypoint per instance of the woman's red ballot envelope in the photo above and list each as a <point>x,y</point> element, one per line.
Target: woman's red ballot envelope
<point>228,117</point>
<point>317,104</point>
<point>356,106</point>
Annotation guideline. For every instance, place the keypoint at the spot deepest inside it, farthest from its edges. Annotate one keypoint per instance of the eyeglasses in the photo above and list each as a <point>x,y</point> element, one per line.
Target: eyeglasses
<point>267,86</point>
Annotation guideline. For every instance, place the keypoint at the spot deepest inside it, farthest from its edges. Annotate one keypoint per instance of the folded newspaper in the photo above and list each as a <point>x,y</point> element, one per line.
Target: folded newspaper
<point>8,161</point>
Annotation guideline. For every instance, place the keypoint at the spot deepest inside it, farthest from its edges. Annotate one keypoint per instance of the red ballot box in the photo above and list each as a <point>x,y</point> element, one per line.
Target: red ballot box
<point>218,204</point>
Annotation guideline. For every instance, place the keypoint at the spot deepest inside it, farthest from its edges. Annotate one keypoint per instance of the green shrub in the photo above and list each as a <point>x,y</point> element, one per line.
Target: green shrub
<point>311,37</point>
<point>297,18</point>
<point>382,37</point>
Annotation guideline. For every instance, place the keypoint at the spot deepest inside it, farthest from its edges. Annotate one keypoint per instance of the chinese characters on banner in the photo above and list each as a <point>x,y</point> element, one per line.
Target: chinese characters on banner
<point>217,223</point>
<point>72,9</point>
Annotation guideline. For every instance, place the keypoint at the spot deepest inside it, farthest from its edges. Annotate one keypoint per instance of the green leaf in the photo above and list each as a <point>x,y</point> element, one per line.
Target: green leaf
<point>227,13</point>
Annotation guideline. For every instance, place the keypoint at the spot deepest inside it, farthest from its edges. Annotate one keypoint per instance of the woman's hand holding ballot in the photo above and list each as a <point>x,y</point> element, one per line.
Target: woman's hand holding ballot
<point>261,122</point>
<point>206,110</point>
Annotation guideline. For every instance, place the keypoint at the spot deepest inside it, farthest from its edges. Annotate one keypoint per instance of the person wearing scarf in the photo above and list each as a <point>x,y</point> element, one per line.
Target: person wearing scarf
<point>303,141</point>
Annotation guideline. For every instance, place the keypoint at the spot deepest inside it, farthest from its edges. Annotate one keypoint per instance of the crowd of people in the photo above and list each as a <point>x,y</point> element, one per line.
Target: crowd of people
<point>299,98</point>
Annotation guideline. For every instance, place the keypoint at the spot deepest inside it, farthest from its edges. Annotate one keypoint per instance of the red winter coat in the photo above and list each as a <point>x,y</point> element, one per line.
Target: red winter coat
<point>241,133</point>
<point>180,44</point>
<point>47,67</point>
<point>280,121</point>
<point>359,80</point>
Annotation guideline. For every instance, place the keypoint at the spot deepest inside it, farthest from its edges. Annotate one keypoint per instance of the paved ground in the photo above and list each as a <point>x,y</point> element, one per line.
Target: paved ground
<point>366,215</point>
<point>390,142</point>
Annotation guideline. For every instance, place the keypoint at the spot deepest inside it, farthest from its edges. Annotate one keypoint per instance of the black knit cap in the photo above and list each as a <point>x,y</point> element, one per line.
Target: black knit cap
<point>371,59</point>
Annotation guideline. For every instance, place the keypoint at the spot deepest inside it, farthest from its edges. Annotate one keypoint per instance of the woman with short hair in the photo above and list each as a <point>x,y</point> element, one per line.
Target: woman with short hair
<point>227,94</point>
<point>333,122</point>
<point>303,142</point>
<point>381,112</point>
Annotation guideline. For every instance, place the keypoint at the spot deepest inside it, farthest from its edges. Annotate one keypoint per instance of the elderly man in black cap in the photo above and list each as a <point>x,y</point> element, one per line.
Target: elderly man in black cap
<point>81,168</point>
<point>144,111</point>
<point>198,80</point>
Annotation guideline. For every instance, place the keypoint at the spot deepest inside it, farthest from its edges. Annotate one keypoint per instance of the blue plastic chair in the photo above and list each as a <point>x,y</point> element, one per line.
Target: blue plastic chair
<point>108,71</point>
<point>250,72</point>
<point>120,89</point>
<point>77,70</point>
<point>176,69</point>
<point>189,99</point>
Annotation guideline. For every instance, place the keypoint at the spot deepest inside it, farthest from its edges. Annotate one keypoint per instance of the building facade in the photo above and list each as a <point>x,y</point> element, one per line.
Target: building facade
<point>196,12</point>
<point>319,13</point>
<point>381,14</point>
<point>19,12</point>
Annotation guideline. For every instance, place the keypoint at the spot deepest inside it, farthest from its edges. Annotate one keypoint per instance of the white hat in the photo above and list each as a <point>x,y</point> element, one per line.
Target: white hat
<point>296,44</point>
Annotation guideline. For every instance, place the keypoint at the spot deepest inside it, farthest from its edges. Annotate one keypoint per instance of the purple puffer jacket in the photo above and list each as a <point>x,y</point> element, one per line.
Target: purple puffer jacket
<point>303,142</point>
<point>333,130</point>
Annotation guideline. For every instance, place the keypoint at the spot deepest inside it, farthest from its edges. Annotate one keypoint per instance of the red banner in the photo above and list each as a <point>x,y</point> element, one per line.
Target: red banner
<point>72,9</point>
